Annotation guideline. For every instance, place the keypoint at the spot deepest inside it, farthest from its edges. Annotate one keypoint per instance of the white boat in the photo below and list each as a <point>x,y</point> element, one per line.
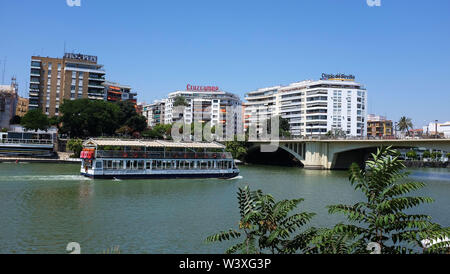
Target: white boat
<point>145,159</point>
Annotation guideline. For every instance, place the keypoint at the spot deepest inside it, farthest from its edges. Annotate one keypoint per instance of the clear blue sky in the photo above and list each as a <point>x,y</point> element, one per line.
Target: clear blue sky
<point>399,51</point>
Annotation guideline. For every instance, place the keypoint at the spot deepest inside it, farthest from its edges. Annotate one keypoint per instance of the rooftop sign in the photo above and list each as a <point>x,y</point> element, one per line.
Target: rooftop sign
<point>339,76</point>
<point>201,88</point>
<point>81,57</point>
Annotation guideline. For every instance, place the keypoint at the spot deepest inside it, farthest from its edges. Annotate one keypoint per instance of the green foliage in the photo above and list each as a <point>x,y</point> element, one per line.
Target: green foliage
<point>405,124</point>
<point>426,154</point>
<point>412,154</point>
<point>35,120</point>
<point>76,146</point>
<point>180,101</point>
<point>159,131</point>
<point>382,218</point>
<point>448,155</point>
<point>137,123</point>
<point>284,126</point>
<point>237,148</point>
<point>436,155</point>
<point>266,226</point>
<point>89,118</point>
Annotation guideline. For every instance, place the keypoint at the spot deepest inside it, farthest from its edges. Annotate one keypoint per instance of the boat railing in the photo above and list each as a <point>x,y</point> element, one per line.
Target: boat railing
<point>27,141</point>
<point>162,155</point>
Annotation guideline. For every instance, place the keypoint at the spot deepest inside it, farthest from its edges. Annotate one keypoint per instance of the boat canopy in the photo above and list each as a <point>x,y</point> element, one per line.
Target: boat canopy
<point>151,143</point>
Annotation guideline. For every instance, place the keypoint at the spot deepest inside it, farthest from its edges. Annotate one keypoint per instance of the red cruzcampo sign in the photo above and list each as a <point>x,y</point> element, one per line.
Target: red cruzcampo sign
<point>201,88</point>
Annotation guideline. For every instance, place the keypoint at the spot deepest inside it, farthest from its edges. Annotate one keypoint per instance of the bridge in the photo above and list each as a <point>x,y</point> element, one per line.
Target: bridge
<point>340,154</point>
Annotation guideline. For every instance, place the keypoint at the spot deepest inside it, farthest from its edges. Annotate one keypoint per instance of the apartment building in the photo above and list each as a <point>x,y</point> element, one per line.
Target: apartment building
<point>8,103</point>
<point>115,92</point>
<point>155,113</point>
<point>75,76</point>
<point>379,126</point>
<point>207,104</point>
<point>312,107</point>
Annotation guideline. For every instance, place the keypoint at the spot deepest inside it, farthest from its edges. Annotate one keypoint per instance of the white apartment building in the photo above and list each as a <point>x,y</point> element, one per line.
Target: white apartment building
<point>442,129</point>
<point>207,104</point>
<point>312,107</point>
<point>155,112</point>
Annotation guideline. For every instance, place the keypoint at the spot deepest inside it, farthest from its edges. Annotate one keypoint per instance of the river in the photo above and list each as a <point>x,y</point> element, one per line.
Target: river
<point>46,206</point>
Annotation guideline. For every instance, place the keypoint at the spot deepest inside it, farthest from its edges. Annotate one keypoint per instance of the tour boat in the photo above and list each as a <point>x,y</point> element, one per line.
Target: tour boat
<point>146,159</point>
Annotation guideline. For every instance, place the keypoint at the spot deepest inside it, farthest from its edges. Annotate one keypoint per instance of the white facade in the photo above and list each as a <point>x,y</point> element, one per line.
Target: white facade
<point>311,107</point>
<point>218,107</point>
<point>442,128</point>
<point>155,113</point>
<point>8,103</point>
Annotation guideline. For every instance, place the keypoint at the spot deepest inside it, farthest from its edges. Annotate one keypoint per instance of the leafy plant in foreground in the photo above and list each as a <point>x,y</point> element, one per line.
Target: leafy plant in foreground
<point>265,225</point>
<point>382,218</point>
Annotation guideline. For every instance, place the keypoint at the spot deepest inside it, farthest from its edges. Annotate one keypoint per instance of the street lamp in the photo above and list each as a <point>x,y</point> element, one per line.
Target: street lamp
<point>436,126</point>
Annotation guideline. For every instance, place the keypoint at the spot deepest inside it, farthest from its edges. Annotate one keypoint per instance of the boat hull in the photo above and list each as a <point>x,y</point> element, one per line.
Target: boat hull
<point>164,176</point>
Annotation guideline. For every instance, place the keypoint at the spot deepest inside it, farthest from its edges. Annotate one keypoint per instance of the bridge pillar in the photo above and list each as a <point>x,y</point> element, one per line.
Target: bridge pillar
<point>317,156</point>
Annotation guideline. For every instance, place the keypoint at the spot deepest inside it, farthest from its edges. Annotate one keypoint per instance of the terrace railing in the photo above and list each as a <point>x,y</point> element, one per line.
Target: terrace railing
<point>162,155</point>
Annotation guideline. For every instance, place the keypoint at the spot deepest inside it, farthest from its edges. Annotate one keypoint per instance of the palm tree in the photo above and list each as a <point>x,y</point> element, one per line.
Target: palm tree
<point>405,124</point>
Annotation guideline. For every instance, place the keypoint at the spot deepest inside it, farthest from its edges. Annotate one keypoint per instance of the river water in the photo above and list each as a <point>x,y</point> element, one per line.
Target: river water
<point>46,206</point>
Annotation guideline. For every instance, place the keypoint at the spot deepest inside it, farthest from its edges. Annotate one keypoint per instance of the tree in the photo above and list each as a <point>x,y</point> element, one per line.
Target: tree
<point>382,216</point>
<point>89,118</point>
<point>436,155</point>
<point>35,120</point>
<point>238,149</point>
<point>180,101</point>
<point>137,123</point>
<point>76,146</point>
<point>265,226</point>
<point>448,155</point>
<point>412,154</point>
<point>284,126</point>
<point>405,124</point>
<point>426,154</point>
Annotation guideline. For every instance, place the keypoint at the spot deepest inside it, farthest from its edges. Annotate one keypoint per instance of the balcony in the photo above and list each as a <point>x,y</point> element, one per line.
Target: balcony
<point>162,155</point>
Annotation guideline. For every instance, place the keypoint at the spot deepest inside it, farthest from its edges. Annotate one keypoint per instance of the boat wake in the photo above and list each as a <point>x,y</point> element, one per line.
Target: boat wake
<point>44,178</point>
<point>237,178</point>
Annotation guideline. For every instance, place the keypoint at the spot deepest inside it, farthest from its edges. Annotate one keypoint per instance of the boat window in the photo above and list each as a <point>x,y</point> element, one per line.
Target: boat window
<point>148,164</point>
<point>140,164</point>
<point>128,164</point>
<point>98,164</point>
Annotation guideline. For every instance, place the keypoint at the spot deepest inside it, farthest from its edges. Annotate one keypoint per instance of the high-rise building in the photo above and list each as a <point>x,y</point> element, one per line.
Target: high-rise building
<point>207,104</point>
<point>335,102</point>
<point>379,126</point>
<point>115,92</point>
<point>8,103</point>
<point>155,113</point>
<point>74,76</point>
<point>22,106</point>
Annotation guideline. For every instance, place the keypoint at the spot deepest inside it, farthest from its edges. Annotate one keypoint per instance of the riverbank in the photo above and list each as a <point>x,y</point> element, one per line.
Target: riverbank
<point>422,164</point>
<point>62,158</point>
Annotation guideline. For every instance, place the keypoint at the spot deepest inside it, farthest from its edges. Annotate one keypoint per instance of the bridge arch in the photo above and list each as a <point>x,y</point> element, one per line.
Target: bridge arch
<point>282,155</point>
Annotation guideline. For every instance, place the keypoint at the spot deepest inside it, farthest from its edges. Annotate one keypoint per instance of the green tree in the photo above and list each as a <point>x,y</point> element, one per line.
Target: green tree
<point>382,215</point>
<point>137,123</point>
<point>426,154</point>
<point>127,111</point>
<point>448,155</point>
<point>238,149</point>
<point>89,118</point>
<point>35,120</point>
<point>405,124</point>
<point>412,154</point>
<point>265,226</point>
<point>76,146</point>
<point>436,155</point>
<point>180,101</point>
<point>284,126</point>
